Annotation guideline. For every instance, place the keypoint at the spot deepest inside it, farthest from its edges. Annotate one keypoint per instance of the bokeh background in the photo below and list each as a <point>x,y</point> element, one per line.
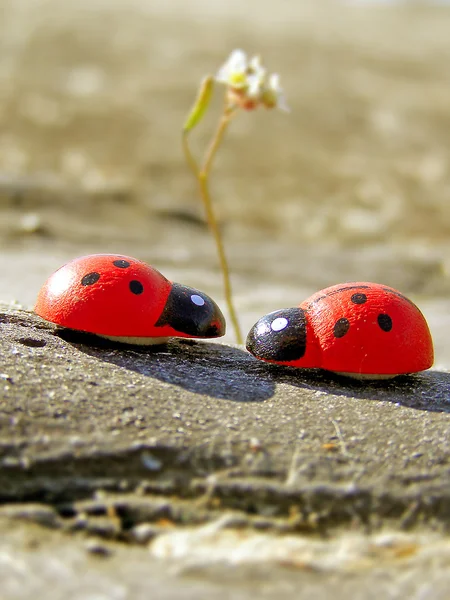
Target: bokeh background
<point>352,184</point>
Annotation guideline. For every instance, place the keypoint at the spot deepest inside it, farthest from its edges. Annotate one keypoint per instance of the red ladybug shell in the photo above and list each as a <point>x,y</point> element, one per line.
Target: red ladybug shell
<point>121,297</point>
<point>360,329</point>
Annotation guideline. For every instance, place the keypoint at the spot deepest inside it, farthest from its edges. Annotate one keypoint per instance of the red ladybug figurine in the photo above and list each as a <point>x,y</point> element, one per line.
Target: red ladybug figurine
<point>362,330</point>
<point>126,300</point>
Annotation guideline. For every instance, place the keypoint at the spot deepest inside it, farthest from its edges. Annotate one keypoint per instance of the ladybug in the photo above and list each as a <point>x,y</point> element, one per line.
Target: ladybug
<point>126,300</point>
<point>362,330</point>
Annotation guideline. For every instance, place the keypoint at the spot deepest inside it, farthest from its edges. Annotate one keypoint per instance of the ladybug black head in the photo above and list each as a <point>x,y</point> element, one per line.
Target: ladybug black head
<point>279,336</point>
<point>192,312</point>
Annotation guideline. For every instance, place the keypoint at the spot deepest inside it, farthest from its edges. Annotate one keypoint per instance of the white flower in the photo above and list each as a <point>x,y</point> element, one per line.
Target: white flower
<point>234,72</point>
<point>249,84</point>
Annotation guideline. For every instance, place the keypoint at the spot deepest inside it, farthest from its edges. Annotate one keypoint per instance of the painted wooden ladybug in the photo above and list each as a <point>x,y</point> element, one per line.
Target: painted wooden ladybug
<point>363,330</point>
<point>124,299</point>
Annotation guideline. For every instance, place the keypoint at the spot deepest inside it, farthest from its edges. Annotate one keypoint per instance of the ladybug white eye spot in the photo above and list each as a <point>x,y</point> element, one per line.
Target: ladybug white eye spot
<point>279,324</point>
<point>198,300</point>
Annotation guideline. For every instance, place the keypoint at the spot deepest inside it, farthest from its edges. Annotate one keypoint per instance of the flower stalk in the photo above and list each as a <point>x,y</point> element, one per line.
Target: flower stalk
<point>247,87</point>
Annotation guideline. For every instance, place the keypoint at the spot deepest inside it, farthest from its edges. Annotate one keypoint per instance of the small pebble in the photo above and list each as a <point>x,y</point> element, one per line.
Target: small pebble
<point>150,462</point>
<point>30,223</point>
<point>98,549</point>
<point>144,532</point>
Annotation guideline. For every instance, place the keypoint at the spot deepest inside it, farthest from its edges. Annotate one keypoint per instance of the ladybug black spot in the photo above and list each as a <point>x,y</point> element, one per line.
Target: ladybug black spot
<point>341,327</point>
<point>90,278</point>
<point>385,322</point>
<point>359,298</point>
<point>136,287</point>
<point>122,264</point>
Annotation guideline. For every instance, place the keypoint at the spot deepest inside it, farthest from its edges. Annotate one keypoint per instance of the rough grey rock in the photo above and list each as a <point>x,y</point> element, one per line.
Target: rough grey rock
<point>196,419</point>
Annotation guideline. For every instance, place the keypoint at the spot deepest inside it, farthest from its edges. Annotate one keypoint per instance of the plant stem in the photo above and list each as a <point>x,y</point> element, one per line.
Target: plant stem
<point>202,178</point>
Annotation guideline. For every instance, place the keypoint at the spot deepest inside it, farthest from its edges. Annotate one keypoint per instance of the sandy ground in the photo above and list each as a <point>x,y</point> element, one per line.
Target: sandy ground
<point>82,569</point>
<point>352,184</point>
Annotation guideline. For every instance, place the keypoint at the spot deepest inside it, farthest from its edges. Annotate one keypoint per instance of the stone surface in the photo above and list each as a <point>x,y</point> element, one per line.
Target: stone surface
<point>130,444</point>
<point>80,412</point>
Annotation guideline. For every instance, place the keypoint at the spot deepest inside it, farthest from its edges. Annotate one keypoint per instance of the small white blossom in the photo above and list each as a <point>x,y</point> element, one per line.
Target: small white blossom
<point>249,84</point>
<point>234,72</point>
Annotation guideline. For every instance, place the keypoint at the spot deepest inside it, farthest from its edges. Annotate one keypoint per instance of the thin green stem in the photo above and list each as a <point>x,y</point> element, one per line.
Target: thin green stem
<point>188,155</point>
<point>202,178</point>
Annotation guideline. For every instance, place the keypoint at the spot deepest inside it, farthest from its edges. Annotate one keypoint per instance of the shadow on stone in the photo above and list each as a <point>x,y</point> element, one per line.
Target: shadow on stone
<point>201,367</point>
<point>428,391</point>
<point>230,373</point>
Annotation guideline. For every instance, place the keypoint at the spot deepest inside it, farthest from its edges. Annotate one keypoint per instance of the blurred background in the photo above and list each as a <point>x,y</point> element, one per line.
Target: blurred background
<point>352,184</point>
